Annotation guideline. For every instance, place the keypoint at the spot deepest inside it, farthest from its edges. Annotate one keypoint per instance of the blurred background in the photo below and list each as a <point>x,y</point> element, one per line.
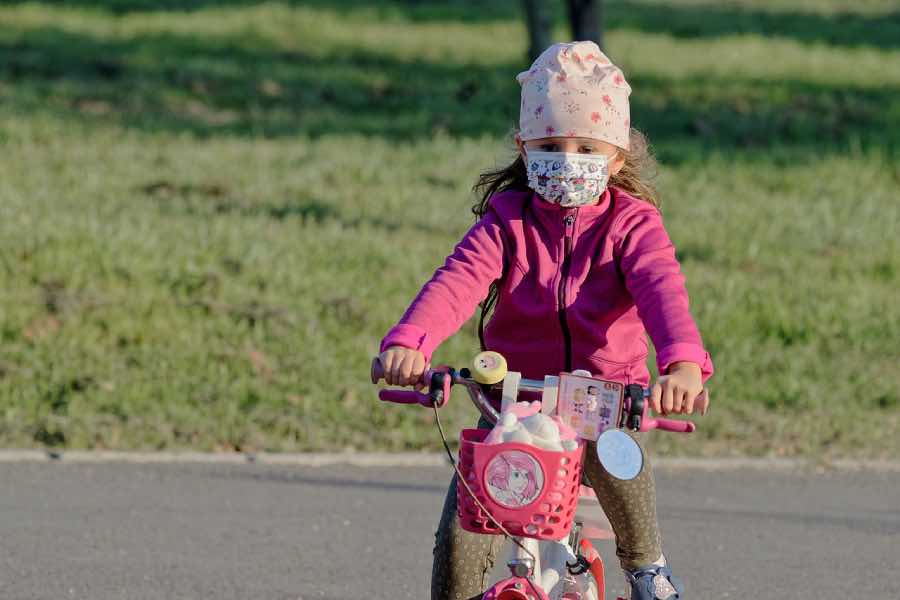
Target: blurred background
<point>211,212</point>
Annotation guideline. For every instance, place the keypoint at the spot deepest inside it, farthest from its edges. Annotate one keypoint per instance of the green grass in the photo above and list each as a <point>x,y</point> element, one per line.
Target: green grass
<point>209,217</point>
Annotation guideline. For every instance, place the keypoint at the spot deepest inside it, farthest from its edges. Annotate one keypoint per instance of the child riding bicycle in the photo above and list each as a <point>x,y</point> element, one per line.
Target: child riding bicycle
<point>570,250</point>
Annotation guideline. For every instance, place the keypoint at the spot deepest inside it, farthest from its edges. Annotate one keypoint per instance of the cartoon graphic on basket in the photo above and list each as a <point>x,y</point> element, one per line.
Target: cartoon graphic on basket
<point>514,479</point>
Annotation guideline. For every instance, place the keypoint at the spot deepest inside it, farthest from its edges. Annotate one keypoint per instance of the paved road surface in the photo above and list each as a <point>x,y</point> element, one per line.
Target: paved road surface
<point>123,531</point>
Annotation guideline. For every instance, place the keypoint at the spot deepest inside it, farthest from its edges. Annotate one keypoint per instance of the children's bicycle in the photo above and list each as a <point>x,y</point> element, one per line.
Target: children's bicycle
<point>552,557</point>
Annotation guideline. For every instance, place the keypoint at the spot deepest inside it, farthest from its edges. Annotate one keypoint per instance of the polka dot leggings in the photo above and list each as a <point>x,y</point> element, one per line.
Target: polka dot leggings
<point>463,560</point>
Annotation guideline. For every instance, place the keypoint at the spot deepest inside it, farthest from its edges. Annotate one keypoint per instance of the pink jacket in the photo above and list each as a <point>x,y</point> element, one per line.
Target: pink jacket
<point>579,287</point>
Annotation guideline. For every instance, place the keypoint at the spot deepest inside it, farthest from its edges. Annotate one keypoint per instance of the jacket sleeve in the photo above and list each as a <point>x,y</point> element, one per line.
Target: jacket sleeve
<point>454,291</point>
<point>654,279</point>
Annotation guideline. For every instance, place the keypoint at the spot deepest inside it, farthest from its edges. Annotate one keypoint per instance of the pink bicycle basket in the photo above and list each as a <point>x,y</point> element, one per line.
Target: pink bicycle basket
<point>532,492</point>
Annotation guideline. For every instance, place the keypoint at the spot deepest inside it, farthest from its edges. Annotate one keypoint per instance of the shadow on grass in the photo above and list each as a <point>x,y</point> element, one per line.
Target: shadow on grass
<point>244,86</point>
<point>470,11</point>
<point>714,19</point>
<point>209,200</point>
<point>710,19</point>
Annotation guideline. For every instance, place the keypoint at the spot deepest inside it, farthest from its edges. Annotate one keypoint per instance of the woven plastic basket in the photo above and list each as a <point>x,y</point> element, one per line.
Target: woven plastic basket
<point>532,492</point>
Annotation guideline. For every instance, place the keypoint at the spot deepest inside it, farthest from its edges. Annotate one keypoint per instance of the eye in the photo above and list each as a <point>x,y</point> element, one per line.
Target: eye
<point>586,150</point>
<point>549,147</point>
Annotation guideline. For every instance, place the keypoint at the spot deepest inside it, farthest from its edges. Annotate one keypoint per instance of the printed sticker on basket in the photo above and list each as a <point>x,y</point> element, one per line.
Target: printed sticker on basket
<point>589,405</point>
<point>514,478</point>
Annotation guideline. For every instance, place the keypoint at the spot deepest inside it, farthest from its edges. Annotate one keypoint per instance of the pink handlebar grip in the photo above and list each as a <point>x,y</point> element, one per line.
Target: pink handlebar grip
<point>668,425</point>
<point>404,397</point>
<point>409,396</point>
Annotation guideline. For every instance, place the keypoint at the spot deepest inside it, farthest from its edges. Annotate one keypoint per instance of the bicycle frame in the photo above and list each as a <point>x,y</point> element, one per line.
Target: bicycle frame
<point>528,579</point>
<point>547,575</point>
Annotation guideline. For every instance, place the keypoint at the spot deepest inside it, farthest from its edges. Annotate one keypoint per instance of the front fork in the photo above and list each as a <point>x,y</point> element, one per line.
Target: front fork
<point>581,564</point>
<point>565,561</point>
<point>525,582</point>
<point>526,564</point>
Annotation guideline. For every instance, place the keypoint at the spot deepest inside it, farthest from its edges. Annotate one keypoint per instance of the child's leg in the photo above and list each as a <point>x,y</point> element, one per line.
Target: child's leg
<point>462,560</point>
<point>630,507</point>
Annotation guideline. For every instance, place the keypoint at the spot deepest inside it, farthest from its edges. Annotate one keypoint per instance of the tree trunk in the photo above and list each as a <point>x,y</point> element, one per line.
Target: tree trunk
<point>538,18</point>
<point>586,19</point>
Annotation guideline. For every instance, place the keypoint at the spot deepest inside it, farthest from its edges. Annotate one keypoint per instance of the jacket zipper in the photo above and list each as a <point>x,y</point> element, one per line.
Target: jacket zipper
<point>569,222</point>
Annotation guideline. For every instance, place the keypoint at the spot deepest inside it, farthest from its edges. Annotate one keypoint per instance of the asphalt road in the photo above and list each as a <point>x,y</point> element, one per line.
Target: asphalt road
<point>125,531</point>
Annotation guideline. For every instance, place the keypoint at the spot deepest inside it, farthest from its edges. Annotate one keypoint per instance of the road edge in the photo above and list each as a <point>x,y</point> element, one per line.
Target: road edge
<point>415,459</point>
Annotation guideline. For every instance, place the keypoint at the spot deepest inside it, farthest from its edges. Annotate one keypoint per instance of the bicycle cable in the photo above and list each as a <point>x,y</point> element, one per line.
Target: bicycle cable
<point>460,478</point>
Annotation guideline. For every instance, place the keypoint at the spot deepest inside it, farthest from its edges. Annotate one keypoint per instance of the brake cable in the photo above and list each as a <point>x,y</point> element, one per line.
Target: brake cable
<point>461,479</point>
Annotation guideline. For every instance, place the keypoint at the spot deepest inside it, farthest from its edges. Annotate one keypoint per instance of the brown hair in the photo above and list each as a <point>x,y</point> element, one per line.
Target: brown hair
<point>635,177</point>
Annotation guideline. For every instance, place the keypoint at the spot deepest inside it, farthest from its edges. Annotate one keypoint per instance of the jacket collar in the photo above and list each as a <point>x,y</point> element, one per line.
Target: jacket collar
<point>555,212</point>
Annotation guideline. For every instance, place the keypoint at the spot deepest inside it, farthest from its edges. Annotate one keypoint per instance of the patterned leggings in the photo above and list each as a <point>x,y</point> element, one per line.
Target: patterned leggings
<point>463,560</point>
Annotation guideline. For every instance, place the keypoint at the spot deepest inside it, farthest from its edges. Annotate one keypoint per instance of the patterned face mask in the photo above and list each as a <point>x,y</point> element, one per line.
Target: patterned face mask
<point>566,178</point>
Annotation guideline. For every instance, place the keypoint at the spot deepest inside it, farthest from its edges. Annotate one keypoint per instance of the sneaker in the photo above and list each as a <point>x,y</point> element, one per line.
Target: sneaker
<point>654,582</point>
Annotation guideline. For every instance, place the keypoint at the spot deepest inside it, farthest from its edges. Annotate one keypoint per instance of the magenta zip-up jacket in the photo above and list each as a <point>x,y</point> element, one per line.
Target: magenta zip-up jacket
<point>580,287</point>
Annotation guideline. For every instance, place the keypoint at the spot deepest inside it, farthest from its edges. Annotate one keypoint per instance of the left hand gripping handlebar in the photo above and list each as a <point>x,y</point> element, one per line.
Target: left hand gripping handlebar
<point>438,380</point>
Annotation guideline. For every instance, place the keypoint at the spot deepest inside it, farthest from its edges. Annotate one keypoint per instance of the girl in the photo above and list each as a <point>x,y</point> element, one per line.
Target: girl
<point>570,249</point>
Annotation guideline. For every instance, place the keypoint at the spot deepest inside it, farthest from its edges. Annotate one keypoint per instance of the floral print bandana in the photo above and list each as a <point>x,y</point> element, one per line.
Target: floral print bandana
<point>567,179</point>
<point>573,90</point>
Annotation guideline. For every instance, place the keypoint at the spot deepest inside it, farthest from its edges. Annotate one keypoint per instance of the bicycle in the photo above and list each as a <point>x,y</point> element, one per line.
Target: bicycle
<point>542,520</point>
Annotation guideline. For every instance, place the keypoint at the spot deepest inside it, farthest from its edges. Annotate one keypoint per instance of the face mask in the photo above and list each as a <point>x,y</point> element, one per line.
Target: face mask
<point>565,178</point>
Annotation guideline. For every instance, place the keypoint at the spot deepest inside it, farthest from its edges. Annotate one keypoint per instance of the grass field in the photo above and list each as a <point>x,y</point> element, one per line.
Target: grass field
<point>210,212</point>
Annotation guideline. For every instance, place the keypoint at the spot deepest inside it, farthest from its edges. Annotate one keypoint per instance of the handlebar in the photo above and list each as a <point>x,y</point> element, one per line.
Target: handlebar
<point>440,380</point>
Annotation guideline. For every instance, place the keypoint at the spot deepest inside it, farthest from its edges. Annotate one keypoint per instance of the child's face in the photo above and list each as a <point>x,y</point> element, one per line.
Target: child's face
<point>576,145</point>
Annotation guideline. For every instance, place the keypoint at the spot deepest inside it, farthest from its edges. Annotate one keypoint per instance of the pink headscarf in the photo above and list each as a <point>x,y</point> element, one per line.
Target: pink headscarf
<point>573,90</point>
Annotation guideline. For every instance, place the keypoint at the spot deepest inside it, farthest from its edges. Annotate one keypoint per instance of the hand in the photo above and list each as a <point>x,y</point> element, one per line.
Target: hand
<point>676,391</point>
<point>402,366</point>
